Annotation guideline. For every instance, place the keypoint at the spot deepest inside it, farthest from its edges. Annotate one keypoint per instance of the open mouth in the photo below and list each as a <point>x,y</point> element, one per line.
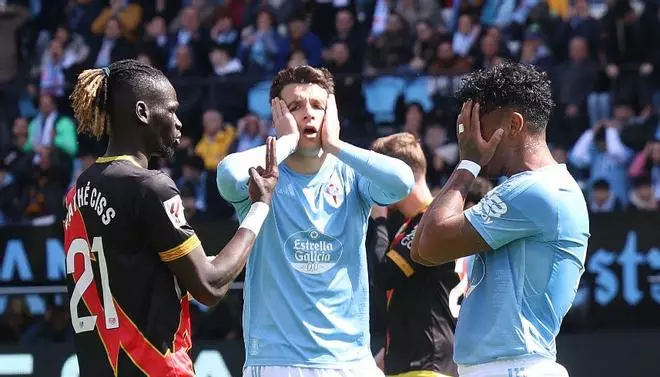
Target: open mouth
<point>309,131</point>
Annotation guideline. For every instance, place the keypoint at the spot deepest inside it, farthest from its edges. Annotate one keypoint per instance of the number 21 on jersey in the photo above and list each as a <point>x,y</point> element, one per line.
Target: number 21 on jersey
<point>88,323</point>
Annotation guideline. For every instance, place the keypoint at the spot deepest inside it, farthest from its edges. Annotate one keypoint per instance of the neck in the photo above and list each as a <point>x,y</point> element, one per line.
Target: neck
<point>128,147</point>
<point>306,165</point>
<point>531,155</point>
<point>419,198</point>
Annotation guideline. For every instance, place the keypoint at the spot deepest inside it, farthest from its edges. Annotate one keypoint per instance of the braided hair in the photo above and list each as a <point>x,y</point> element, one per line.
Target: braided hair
<point>95,91</point>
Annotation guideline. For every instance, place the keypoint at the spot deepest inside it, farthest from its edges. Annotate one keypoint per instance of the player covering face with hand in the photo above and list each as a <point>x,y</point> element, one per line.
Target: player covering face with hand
<point>306,290</point>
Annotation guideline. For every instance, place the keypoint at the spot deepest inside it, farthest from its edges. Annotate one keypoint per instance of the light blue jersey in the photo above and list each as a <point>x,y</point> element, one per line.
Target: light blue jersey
<point>537,224</point>
<point>306,288</point>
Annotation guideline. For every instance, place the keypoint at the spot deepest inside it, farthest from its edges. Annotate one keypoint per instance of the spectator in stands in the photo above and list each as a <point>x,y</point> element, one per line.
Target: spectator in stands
<point>216,141</point>
<point>75,48</point>
<point>190,96</point>
<point>223,31</point>
<point>628,54</point>
<point>642,196</point>
<point>424,46</point>
<point>346,31</point>
<point>13,17</point>
<point>43,192</point>
<point>465,36</point>
<point>600,149</point>
<point>534,50</point>
<point>414,120</point>
<point>111,47</point>
<point>127,15</point>
<point>55,326</point>
<point>489,54</point>
<point>204,11</point>
<point>10,210</point>
<point>251,133</point>
<point>389,51</point>
<point>223,61</point>
<point>580,23</point>
<point>574,79</point>
<point>189,33</point>
<point>50,129</point>
<point>647,163</point>
<point>14,320</point>
<point>259,45</point>
<point>52,78</point>
<point>189,196</point>
<point>156,42</point>
<point>193,173</point>
<point>299,38</point>
<point>414,11</point>
<point>446,63</point>
<point>347,72</point>
<point>602,199</point>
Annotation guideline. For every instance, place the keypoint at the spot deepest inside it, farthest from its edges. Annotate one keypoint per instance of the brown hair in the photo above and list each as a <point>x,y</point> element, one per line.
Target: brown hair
<point>302,74</point>
<point>406,148</point>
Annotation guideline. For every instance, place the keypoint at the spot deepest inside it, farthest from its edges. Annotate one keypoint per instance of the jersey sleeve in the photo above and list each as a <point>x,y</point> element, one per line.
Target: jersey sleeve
<point>508,213</point>
<point>162,220</point>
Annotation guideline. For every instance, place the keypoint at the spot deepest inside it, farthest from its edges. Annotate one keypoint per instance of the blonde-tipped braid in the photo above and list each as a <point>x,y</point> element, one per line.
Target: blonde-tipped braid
<point>89,101</point>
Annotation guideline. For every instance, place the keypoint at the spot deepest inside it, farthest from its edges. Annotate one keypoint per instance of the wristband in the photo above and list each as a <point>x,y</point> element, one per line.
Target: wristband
<point>470,166</point>
<point>255,217</point>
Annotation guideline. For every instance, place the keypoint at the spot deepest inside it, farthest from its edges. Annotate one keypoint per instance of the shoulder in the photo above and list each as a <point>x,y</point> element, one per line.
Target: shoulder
<point>158,183</point>
<point>529,193</point>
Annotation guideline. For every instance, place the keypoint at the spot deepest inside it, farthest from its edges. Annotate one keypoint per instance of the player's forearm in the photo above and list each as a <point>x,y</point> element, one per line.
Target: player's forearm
<point>437,227</point>
<point>230,261</point>
<point>392,176</point>
<point>233,173</point>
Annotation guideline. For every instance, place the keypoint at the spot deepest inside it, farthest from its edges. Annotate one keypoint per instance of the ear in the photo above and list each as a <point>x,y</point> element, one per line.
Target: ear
<point>516,124</point>
<point>142,112</point>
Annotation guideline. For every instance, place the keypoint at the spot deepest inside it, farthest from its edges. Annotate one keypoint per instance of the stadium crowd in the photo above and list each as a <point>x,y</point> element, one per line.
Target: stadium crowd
<point>603,59</point>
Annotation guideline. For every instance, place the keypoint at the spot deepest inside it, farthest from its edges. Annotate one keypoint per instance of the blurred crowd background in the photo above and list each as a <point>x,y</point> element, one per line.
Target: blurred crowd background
<point>396,64</point>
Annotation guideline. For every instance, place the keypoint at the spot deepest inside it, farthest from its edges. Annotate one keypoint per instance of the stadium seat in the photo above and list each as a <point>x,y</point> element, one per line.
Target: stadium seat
<point>258,99</point>
<point>417,90</point>
<point>381,95</point>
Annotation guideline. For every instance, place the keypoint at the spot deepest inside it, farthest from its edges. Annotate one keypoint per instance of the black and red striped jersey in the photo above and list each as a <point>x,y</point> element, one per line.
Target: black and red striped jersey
<point>130,315</point>
<point>420,325</point>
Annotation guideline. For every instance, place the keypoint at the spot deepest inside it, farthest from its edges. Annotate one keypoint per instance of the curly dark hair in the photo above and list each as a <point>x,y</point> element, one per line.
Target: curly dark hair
<point>516,86</point>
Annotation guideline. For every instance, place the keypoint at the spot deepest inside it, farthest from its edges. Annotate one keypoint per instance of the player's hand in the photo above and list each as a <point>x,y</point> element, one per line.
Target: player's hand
<point>262,181</point>
<point>283,121</point>
<point>330,127</point>
<point>471,144</point>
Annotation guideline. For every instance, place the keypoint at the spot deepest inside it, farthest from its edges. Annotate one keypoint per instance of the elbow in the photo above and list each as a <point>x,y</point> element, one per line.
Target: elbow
<point>210,295</point>
<point>430,253</point>
<point>227,174</point>
<point>405,181</point>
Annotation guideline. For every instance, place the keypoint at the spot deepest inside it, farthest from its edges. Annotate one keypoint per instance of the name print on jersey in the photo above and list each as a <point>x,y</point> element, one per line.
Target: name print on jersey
<point>89,196</point>
<point>312,252</point>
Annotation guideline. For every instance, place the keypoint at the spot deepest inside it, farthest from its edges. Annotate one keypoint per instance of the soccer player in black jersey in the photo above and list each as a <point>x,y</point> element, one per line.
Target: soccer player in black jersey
<point>131,257</point>
<point>420,325</point>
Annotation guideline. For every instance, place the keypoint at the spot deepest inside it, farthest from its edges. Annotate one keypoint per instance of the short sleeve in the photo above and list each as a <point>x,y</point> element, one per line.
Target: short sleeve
<point>162,219</point>
<point>511,212</point>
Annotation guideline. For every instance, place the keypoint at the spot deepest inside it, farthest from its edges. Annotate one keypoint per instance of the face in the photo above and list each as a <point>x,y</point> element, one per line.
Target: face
<point>424,32</point>
<point>163,131</point>
<point>46,104</point>
<point>112,30</point>
<point>393,24</point>
<point>212,121</point>
<point>445,51</point>
<point>601,195</point>
<point>61,35</point>
<point>488,46</point>
<point>578,49</point>
<point>224,24</point>
<point>307,102</point>
<point>297,29</point>
<point>263,21</point>
<point>340,53</point>
<point>465,24</point>
<point>144,58</point>
<point>645,192</point>
<point>189,19</point>
<point>343,22</point>
<point>512,123</point>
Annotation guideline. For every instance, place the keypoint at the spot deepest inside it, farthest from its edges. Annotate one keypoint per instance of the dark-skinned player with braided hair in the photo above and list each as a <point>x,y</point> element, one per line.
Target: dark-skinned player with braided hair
<point>131,257</point>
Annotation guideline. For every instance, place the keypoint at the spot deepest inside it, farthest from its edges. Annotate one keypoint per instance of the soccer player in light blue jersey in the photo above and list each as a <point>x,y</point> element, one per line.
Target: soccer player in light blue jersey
<point>527,237</point>
<point>306,309</point>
